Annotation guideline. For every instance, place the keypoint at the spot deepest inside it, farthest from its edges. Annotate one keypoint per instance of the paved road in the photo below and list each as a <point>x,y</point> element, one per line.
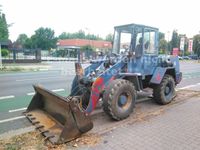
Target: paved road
<point>19,87</point>
<point>59,76</point>
<point>191,75</point>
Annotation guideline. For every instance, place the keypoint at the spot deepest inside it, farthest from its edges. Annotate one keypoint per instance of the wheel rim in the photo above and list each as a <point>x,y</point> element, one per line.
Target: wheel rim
<point>168,89</point>
<point>124,100</point>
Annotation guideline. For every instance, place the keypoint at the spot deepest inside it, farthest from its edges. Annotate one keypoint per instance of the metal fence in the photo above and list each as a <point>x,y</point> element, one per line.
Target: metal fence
<point>37,55</point>
<point>23,56</point>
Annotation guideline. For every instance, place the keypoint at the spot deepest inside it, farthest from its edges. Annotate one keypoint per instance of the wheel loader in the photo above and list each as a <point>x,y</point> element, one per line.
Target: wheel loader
<point>132,66</point>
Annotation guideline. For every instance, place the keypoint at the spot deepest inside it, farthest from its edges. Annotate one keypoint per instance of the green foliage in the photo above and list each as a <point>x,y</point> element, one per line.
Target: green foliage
<point>78,35</point>
<point>4,52</point>
<point>3,27</point>
<point>87,48</point>
<point>196,44</point>
<point>22,39</point>
<point>161,51</point>
<point>161,35</point>
<point>175,40</point>
<point>186,47</point>
<point>186,53</point>
<point>163,45</point>
<point>28,43</point>
<point>109,37</point>
<point>64,35</point>
<point>43,38</point>
<point>93,37</point>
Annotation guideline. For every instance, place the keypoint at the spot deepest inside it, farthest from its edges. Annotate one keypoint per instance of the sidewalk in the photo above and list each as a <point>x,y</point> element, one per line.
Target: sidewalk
<point>177,128</point>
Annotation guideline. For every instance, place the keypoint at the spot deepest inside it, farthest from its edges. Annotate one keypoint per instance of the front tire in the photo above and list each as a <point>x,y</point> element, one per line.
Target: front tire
<point>165,91</point>
<point>119,99</point>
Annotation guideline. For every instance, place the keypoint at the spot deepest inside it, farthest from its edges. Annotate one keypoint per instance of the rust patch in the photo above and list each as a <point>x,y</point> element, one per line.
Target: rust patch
<point>47,121</point>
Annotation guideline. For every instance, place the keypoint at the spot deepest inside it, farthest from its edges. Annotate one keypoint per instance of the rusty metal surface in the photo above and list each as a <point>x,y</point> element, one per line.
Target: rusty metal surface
<point>59,119</point>
<point>44,122</point>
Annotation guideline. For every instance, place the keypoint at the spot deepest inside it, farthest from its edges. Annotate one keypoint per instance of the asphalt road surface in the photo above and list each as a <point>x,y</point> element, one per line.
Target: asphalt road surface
<point>16,89</point>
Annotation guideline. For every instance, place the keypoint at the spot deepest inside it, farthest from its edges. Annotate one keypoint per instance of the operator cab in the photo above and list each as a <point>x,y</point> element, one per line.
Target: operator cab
<point>135,39</point>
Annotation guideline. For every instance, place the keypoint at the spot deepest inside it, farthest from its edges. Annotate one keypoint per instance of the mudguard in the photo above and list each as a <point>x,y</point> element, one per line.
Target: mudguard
<point>158,75</point>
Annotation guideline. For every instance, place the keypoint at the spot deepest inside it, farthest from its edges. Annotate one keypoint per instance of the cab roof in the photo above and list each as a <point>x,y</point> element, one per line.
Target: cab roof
<point>133,25</point>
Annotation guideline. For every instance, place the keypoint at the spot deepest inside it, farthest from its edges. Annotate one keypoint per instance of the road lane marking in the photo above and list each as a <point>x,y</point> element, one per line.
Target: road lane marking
<point>7,97</point>
<point>47,78</point>
<point>11,119</point>
<point>58,90</point>
<point>31,93</point>
<point>43,69</point>
<point>55,90</point>
<point>15,110</point>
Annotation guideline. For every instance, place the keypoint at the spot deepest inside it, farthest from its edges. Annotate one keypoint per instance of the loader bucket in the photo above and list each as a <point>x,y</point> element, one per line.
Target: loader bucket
<point>57,118</point>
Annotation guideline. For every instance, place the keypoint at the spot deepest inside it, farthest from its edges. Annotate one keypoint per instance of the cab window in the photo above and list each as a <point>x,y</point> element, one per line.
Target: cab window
<point>150,42</point>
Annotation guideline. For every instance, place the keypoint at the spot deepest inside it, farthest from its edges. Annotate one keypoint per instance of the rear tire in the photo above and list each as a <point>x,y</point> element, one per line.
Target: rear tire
<point>119,99</point>
<point>165,91</point>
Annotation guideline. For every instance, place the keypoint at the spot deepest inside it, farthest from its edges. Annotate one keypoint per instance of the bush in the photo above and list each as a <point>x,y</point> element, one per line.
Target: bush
<point>4,52</point>
<point>161,51</point>
<point>187,53</point>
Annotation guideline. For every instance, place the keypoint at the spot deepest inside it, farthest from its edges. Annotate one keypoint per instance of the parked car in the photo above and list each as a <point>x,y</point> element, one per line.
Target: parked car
<point>180,58</point>
<point>195,57</point>
<point>186,57</point>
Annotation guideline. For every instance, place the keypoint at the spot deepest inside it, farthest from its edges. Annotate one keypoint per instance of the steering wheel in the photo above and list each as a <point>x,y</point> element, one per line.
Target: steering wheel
<point>111,59</point>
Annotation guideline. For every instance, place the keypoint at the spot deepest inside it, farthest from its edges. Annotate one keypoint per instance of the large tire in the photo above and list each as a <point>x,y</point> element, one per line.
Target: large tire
<point>119,99</point>
<point>165,91</point>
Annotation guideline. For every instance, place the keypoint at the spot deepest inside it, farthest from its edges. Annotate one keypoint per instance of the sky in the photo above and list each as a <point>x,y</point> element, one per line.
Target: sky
<point>100,16</point>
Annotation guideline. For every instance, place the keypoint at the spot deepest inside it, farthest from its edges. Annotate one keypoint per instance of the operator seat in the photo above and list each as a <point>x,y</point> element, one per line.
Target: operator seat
<point>138,49</point>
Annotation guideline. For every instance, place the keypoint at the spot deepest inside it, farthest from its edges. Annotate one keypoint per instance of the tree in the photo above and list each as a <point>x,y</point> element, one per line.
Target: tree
<point>87,48</point>
<point>64,35</point>
<point>43,38</point>
<point>109,37</point>
<point>163,46</point>
<point>79,35</point>
<point>93,37</point>
<point>175,39</point>
<point>4,34</point>
<point>22,39</point>
<point>4,52</point>
<point>196,44</point>
<point>28,43</point>
<point>161,35</point>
